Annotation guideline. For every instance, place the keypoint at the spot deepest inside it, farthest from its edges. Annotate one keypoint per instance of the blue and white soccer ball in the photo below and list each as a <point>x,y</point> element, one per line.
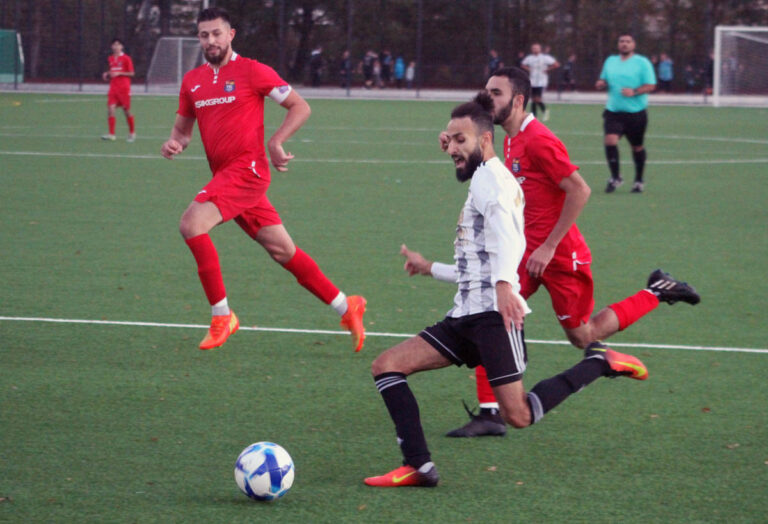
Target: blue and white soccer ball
<point>264,471</point>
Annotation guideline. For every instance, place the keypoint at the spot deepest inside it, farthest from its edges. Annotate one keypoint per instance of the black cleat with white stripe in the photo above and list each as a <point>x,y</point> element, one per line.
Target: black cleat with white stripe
<point>669,290</point>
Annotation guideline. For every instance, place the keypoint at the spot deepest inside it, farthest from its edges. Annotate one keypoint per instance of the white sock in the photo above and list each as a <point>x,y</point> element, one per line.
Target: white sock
<point>340,303</point>
<point>489,405</point>
<point>426,467</point>
<point>220,308</point>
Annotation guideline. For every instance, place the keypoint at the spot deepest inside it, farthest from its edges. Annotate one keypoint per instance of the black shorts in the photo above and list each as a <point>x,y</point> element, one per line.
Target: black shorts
<point>481,339</point>
<point>631,124</point>
<point>536,92</point>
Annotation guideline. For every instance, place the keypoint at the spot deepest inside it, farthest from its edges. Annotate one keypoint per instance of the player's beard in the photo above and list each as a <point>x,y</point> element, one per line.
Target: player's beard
<point>501,116</point>
<point>216,60</point>
<point>471,164</point>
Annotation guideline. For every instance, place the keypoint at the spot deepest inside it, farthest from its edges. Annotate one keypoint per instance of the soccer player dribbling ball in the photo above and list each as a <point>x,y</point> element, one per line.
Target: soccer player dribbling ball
<point>226,98</point>
<point>119,77</point>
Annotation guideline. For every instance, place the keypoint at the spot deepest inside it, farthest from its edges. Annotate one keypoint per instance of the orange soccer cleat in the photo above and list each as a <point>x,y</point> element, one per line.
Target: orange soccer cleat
<point>620,363</point>
<point>222,326</point>
<point>353,320</point>
<point>406,476</point>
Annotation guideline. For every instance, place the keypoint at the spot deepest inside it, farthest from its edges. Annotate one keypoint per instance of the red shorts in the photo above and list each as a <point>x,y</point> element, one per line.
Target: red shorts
<point>569,283</point>
<point>239,193</point>
<point>119,97</point>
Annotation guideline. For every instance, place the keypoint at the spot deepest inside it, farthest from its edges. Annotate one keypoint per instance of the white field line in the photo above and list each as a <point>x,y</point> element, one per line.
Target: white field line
<point>367,161</point>
<point>368,333</point>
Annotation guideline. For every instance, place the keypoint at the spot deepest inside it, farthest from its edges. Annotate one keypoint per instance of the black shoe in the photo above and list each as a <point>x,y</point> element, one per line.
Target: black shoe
<point>480,425</point>
<point>669,290</point>
<point>637,187</point>
<point>613,183</point>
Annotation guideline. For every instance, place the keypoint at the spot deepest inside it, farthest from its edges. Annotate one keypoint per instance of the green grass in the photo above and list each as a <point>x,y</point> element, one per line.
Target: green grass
<point>105,423</point>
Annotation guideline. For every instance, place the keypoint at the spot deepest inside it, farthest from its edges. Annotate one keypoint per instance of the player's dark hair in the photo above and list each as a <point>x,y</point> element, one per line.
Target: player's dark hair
<point>213,13</point>
<point>519,80</point>
<point>117,40</point>
<point>479,110</point>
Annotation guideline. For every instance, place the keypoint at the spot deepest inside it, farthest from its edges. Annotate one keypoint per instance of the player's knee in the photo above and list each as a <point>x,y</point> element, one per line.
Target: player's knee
<point>580,340</point>
<point>381,364</point>
<point>518,419</point>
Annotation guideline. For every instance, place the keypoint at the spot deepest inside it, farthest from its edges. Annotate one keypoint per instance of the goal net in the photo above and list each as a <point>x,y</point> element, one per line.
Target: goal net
<point>11,57</point>
<point>740,68</point>
<point>173,57</point>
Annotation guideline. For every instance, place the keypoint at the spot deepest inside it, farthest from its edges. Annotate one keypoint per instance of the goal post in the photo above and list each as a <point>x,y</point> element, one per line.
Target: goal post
<point>173,56</point>
<point>11,57</point>
<point>740,69</point>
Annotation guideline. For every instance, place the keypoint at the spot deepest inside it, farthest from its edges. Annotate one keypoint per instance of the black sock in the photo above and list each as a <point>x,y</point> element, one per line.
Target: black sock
<point>404,411</point>
<point>542,106</point>
<point>639,158</point>
<point>552,391</point>
<point>612,156</point>
<point>533,108</point>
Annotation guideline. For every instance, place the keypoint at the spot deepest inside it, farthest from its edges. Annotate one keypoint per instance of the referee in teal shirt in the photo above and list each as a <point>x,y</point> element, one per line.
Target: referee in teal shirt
<point>629,78</point>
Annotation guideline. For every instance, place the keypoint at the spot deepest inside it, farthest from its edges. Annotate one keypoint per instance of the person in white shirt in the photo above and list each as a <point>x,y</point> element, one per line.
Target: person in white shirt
<point>539,65</point>
<point>485,325</point>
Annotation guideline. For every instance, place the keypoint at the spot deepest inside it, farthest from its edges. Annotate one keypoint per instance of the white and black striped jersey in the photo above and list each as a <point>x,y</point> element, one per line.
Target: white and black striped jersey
<point>538,65</point>
<point>489,241</point>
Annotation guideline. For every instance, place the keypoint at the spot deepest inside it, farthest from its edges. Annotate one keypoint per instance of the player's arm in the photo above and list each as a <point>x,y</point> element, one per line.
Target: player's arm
<point>554,65</point>
<point>416,264</point>
<point>181,135</point>
<point>642,90</point>
<point>297,112</point>
<point>601,82</point>
<point>576,195</point>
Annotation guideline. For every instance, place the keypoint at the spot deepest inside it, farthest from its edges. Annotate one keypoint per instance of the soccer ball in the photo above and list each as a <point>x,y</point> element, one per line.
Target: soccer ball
<point>264,471</point>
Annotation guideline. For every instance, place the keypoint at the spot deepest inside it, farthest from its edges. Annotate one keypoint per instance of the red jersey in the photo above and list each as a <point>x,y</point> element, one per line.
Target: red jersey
<point>228,103</point>
<point>539,161</point>
<point>120,64</point>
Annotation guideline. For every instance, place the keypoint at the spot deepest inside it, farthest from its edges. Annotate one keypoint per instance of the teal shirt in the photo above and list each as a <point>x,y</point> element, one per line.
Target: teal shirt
<point>632,73</point>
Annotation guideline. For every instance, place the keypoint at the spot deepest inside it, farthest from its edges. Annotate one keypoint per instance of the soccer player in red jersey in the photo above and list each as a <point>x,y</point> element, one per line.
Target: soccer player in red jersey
<point>226,97</point>
<point>119,76</point>
<point>556,255</point>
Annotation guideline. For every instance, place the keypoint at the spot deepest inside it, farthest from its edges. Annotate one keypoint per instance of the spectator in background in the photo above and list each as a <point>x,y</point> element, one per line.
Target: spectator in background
<point>568,78</point>
<point>494,63</point>
<point>709,71</point>
<point>690,79</point>
<point>345,69</point>
<point>316,65</point>
<point>368,61</point>
<point>410,74</point>
<point>386,67</point>
<point>665,73</point>
<point>399,71</point>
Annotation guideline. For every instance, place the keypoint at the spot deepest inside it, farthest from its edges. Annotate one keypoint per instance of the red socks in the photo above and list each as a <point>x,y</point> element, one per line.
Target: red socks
<point>308,274</point>
<point>484,391</point>
<point>111,122</point>
<point>632,308</point>
<point>131,124</point>
<point>208,267</point>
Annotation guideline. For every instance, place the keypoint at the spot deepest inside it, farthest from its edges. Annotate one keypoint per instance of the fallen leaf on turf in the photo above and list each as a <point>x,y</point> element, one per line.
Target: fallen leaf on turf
<point>732,446</point>
<point>491,468</point>
<point>705,410</point>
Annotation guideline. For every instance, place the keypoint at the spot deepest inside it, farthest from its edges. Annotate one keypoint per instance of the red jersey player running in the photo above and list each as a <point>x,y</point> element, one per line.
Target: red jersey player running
<point>556,255</point>
<point>226,97</point>
<point>119,76</point>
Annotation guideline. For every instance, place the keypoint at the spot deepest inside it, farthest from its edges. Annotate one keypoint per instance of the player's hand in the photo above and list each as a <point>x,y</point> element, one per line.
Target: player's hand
<point>279,157</point>
<point>539,260</point>
<point>600,84</point>
<point>415,264</point>
<point>444,139</point>
<point>511,306</point>
<point>171,148</point>
<point>105,75</point>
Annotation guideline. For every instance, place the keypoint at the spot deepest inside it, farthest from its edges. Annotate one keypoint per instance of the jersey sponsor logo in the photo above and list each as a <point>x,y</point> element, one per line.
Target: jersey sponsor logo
<point>520,179</point>
<point>516,165</point>
<point>214,101</point>
<point>229,86</point>
<point>194,88</point>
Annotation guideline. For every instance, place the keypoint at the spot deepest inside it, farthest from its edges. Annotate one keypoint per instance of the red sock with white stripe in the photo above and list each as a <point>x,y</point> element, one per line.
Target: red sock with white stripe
<point>111,122</point>
<point>631,309</point>
<point>308,274</point>
<point>208,268</point>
